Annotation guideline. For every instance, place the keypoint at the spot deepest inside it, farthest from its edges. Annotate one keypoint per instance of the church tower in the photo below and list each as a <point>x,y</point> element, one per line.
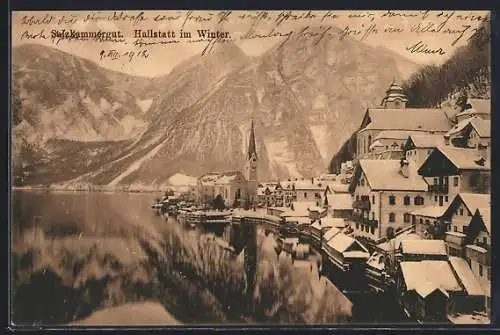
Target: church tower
<point>394,97</point>
<point>251,165</point>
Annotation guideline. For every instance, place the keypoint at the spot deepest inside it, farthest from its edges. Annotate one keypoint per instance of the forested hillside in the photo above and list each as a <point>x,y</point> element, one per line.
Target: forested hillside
<point>466,74</point>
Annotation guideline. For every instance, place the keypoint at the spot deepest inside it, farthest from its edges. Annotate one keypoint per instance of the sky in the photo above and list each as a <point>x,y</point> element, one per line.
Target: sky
<point>399,31</point>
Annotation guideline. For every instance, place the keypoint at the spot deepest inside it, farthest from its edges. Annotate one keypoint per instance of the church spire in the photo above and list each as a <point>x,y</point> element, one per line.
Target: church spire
<point>252,150</point>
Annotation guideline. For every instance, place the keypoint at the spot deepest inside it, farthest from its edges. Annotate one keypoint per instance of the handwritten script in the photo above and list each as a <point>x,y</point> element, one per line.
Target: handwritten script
<point>137,35</point>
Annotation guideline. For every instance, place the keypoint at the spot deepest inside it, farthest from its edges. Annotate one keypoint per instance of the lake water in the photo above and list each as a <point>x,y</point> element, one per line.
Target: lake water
<point>56,234</point>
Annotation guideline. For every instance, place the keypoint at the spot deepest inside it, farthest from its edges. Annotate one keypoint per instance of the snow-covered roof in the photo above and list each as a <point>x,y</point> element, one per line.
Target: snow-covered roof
<point>423,140</point>
<point>466,276</point>
<point>465,159</point>
<point>482,127</point>
<point>331,233</point>
<point>376,261</point>
<point>339,188</point>
<point>395,243</point>
<point>341,242</point>
<point>298,219</point>
<point>437,272</point>
<point>455,233</point>
<point>356,254</point>
<point>394,134</point>
<point>474,201</point>
<point>424,247</point>
<point>386,175</point>
<point>316,209</point>
<point>294,213</point>
<point>423,119</point>
<point>425,288</point>
<point>476,248</point>
<point>340,201</point>
<point>333,222</point>
<point>430,211</point>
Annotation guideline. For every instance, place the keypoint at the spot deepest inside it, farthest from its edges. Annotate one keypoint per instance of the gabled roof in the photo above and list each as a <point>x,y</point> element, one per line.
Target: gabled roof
<point>482,127</point>
<point>461,158</point>
<point>395,134</point>
<point>424,289</point>
<point>395,243</point>
<point>430,211</point>
<point>339,201</point>
<point>333,222</point>
<point>342,242</point>
<point>417,119</point>
<point>383,174</point>
<point>437,272</point>
<point>474,201</point>
<point>424,247</point>
<point>479,107</point>
<point>425,141</point>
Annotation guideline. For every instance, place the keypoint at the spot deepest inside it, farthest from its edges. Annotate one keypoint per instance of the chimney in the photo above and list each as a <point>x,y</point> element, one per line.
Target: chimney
<point>404,168</point>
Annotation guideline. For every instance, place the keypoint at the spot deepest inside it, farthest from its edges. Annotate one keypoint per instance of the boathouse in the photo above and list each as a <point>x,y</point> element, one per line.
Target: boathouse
<point>345,252</point>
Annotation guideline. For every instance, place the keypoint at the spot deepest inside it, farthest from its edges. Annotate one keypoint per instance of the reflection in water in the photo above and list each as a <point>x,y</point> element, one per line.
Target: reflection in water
<point>93,250</point>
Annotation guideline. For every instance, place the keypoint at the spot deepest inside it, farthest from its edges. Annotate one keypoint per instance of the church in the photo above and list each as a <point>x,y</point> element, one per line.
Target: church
<point>234,187</point>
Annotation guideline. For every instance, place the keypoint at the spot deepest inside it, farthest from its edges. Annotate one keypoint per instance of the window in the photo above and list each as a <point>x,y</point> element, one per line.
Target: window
<point>455,229</point>
<point>357,226</point>
<point>392,217</point>
<point>392,200</point>
<point>480,270</point>
<point>305,194</point>
<point>485,240</point>
<point>455,181</point>
<point>406,201</point>
<point>372,230</point>
<point>427,222</point>
<point>436,198</point>
<point>407,218</point>
<point>421,221</point>
<point>435,181</point>
<point>461,211</point>
<point>446,198</point>
<point>373,199</point>
<point>362,182</point>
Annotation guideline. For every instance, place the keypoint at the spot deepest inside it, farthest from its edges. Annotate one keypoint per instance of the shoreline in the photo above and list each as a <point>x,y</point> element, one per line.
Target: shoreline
<point>103,189</point>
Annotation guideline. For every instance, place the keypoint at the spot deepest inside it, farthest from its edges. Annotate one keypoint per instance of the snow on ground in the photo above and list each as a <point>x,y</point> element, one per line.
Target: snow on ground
<point>320,136</point>
<point>137,164</point>
<point>138,314</point>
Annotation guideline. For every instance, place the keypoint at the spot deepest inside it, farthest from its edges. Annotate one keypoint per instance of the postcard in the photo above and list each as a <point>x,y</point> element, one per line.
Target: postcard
<point>194,167</point>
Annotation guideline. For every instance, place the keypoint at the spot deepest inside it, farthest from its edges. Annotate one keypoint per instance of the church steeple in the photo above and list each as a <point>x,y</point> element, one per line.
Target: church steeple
<point>394,96</point>
<point>252,150</point>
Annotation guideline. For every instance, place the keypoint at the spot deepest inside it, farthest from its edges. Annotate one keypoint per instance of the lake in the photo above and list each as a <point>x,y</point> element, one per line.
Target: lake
<point>77,252</point>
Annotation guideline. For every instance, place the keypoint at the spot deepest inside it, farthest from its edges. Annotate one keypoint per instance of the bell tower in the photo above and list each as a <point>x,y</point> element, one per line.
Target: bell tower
<point>395,97</point>
<point>251,165</point>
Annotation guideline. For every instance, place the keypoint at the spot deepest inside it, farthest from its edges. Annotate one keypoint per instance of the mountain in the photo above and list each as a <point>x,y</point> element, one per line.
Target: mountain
<point>305,99</point>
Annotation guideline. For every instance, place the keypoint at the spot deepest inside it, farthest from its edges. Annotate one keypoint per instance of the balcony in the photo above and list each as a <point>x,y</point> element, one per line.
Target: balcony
<point>362,204</point>
<point>357,217</point>
<point>438,188</point>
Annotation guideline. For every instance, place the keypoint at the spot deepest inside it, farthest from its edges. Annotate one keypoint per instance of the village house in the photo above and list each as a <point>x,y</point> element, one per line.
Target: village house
<point>346,172</point>
<point>418,147</point>
<point>419,250</point>
<point>425,288</point>
<point>475,107</point>
<point>449,171</point>
<point>458,218</point>
<point>339,205</point>
<point>308,191</point>
<point>428,222</point>
<point>346,253</point>
<point>478,250</point>
<point>393,115</point>
<point>390,143</point>
<point>470,133</point>
<point>384,196</point>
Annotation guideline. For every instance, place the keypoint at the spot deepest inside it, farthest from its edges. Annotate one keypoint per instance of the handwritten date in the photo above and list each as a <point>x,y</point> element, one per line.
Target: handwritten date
<point>113,54</point>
